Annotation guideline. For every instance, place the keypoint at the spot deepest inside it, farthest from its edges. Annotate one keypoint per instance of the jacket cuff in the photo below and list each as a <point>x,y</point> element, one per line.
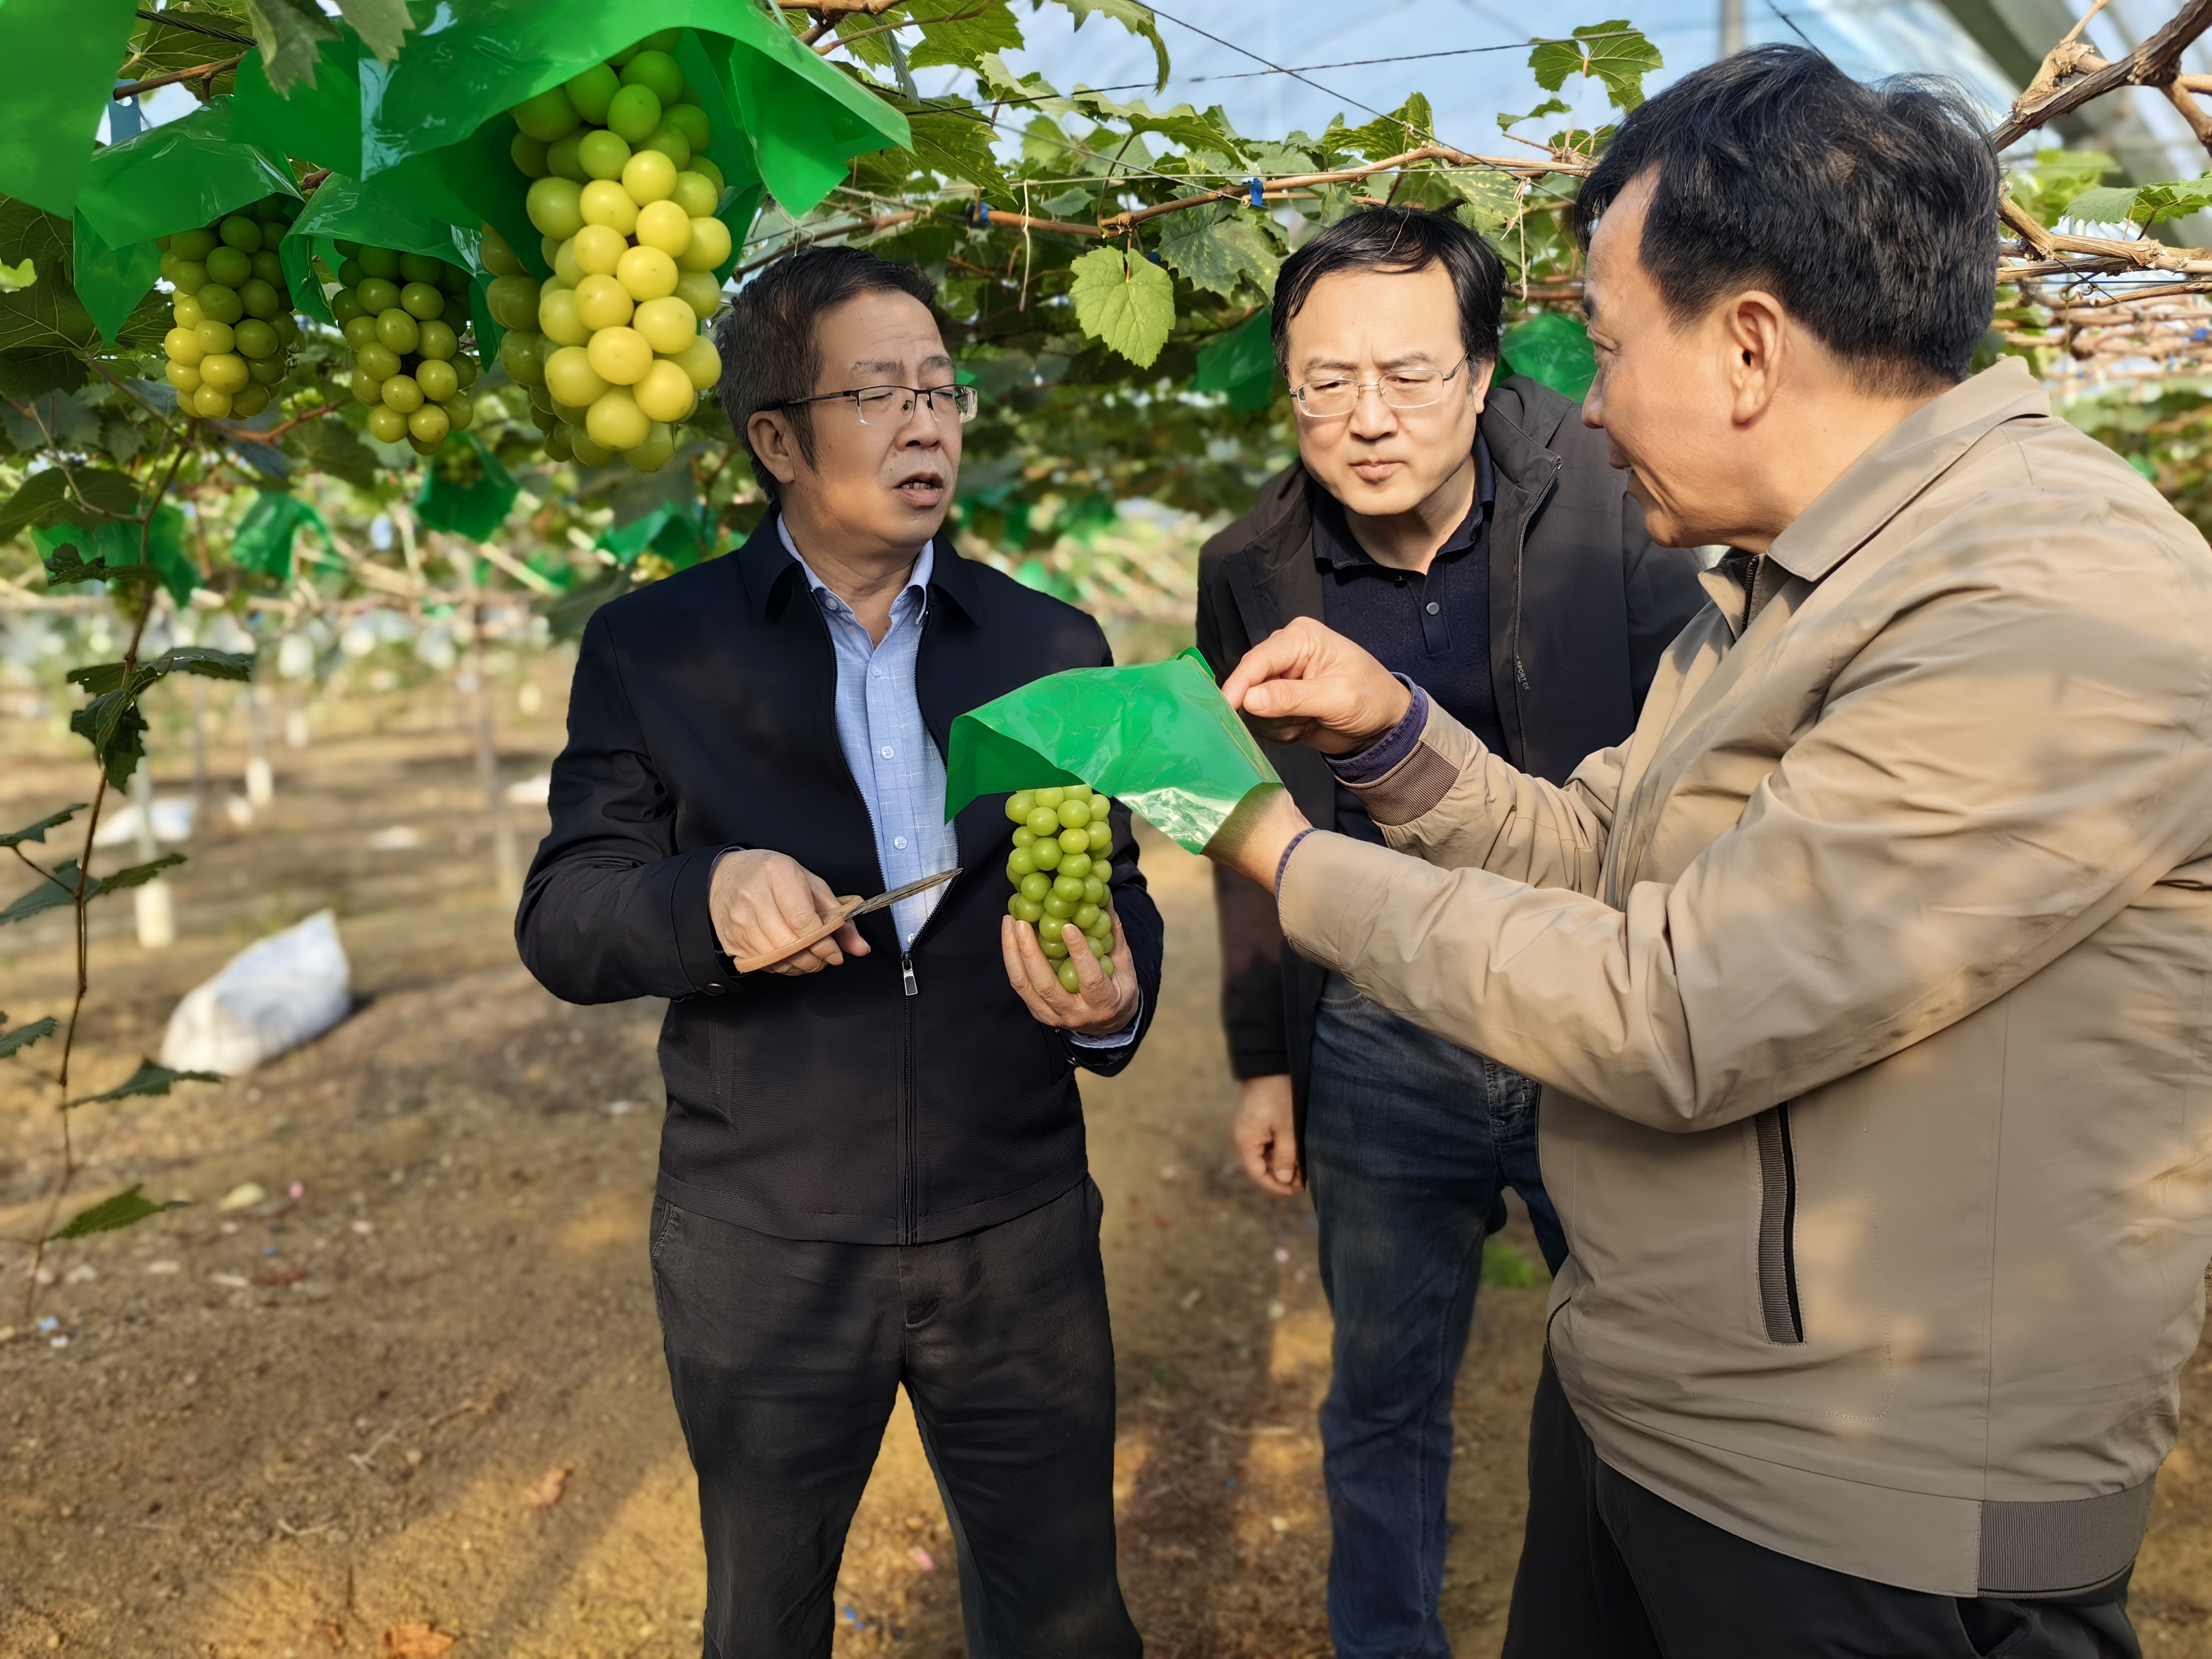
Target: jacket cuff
<point>1245,1063</point>
<point>698,950</point>
<point>1112,1040</point>
<point>1370,764</point>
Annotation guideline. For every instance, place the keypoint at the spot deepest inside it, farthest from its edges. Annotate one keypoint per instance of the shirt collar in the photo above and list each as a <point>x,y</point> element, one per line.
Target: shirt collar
<point>1336,548</point>
<point>917,580</point>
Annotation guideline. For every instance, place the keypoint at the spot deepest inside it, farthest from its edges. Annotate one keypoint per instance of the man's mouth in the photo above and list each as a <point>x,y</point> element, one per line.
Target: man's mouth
<point>1374,471</point>
<point>922,488</point>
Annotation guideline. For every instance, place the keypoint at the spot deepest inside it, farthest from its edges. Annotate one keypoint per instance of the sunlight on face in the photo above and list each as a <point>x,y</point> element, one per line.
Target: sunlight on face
<point>1661,395</point>
<point>890,484</point>
<point>1360,325</point>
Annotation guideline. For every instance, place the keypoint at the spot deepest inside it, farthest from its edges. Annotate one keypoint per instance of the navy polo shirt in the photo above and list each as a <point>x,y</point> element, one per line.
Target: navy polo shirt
<point>1434,629</point>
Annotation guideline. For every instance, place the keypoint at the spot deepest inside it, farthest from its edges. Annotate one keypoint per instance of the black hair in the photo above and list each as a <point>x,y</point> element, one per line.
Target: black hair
<point>1869,211</point>
<point>1398,242</point>
<point>770,355</point>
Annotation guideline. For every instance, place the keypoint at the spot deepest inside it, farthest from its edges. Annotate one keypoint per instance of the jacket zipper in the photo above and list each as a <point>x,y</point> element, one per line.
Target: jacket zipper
<point>1520,586</point>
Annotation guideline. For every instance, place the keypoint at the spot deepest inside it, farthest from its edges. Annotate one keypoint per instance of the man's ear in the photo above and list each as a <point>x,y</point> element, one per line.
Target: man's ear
<point>776,446</point>
<point>1754,333</point>
<point>1478,372</point>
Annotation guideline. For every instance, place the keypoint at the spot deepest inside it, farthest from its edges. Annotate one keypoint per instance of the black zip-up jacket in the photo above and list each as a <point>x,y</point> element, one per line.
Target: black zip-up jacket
<point>1583,604</point>
<point>851,1105</point>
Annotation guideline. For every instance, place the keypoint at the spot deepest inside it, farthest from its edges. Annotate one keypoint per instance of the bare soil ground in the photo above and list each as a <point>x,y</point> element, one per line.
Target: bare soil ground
<point>423,1400</point>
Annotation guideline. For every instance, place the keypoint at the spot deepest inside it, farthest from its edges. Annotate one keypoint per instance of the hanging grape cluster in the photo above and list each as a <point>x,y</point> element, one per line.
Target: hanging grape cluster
<point>228,353</point>
<point>1060,870</point>
<point>406,317</point>
<point>624,197</point>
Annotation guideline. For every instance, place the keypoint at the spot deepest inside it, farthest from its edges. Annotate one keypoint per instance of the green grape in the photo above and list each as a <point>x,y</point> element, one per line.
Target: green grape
<point>1107,963</point>
<point>1067,886</point>
<point>1074,864</point>
<point>1075,841</point>
<point>1019,804</point>
<point>1043,820</point>
<point>1074,814</point>
<point>1024,909</point>
<point>1058,909</point>
<point>1037,886</point>
<point>1102,948</point>
<point>1070,981</point>
<point>1019,864</point>
<point>1094,891</point>
<point>1045,855</point>
<point>1051,798</point>
<point>1102,836</point>
<point>1086,916</point>
<point>1054,948</point>
<point>1080,792</point>
<point>1103,870</point>
<point>1023,837</point>
<point>1102,928</point>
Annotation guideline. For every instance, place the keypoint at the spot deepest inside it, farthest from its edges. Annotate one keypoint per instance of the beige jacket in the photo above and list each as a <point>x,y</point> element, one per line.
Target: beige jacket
<point>1870,985</point>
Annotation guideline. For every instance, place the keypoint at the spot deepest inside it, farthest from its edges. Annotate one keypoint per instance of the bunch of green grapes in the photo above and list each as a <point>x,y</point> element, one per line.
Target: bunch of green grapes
<point>624,197</point>
<point>234,328</point>
<point>405,315</point>
<point>1060,870</point>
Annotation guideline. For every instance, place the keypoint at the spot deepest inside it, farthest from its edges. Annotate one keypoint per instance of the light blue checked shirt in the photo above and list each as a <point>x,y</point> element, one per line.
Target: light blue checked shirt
<point>888,748</point>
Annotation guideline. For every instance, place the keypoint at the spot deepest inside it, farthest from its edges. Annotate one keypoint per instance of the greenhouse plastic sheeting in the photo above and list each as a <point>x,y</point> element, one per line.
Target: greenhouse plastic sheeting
<point>1240,361</point>
<point>1159,738</point>
<point>263,541</point>
<point>801,119</point>
<point>473,510</point>
<point>110,282</point>
<point>187,173</point>
<point>63,54</point>
<point>410,210</point>
<point>1553,348</point>
<point>320,123</point>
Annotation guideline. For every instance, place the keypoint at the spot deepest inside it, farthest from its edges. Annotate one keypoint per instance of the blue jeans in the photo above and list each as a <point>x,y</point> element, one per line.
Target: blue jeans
<point>1409,1141</point>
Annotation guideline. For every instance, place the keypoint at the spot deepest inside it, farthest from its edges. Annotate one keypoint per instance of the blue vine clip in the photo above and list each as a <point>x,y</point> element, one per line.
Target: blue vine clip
<point>1258,198</point>
<point>982,211</point>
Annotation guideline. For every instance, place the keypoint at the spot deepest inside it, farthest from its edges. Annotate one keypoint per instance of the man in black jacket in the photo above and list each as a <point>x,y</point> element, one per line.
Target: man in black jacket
<point>873,1169</point>
<point>1474,539</point>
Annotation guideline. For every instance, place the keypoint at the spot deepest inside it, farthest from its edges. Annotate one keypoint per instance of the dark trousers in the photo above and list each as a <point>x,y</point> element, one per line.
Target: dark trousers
<point>1611,1571</point>
<point>1408,1143</point>
<point>786,1356</point>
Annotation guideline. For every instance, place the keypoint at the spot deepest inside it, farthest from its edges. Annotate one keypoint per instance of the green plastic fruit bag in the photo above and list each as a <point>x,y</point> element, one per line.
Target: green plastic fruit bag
<point>1160,739</point>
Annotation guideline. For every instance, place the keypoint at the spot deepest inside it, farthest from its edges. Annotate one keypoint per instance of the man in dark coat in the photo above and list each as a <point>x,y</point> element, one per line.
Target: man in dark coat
<point>872,1171</point>
<point>1473,538</point>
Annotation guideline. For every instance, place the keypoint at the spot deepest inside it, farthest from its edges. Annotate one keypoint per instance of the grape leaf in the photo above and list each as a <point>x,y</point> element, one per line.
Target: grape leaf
<point>99,678</point>
<point>1126,302</point>
<point>2054,178</point>
<point>953,138</point>
<point>1217,247</point>
<point>45,498</point>
<point>1133,16</point>
<point>24,1036</point>
<point>136,875</point>
<point>959,32</point>
<point>331,446</point>
<point>2143,204</point>
<point>126,1209</point>
<point>1615,53</point>
<point>1406,128</point>
<point>1489,198</point>
<point>53,890</point>
<point>37,831</point>
<point>14,280</point>
<point>116,731</point>
<point>290,33</point>
<point>381,24</point>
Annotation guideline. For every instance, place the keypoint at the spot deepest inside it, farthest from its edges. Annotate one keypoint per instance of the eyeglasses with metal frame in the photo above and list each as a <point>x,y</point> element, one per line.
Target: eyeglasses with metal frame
<point>890,405</point>
<point>1416,389</point>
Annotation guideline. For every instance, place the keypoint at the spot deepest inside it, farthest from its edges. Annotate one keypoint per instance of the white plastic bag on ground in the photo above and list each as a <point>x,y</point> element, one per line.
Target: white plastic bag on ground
<point>270,997</point>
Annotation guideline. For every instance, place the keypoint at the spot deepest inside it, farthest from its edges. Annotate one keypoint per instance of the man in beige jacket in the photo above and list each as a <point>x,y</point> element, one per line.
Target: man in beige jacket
<point>1870,981</point>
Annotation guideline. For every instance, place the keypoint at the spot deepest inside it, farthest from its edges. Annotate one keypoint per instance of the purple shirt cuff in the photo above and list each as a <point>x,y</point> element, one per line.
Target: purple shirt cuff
<point>1372,763</point>
<point>1284,862</point>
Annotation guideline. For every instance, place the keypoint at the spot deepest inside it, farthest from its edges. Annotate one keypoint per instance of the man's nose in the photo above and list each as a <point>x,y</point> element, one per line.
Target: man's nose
<point>1371,415</point>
